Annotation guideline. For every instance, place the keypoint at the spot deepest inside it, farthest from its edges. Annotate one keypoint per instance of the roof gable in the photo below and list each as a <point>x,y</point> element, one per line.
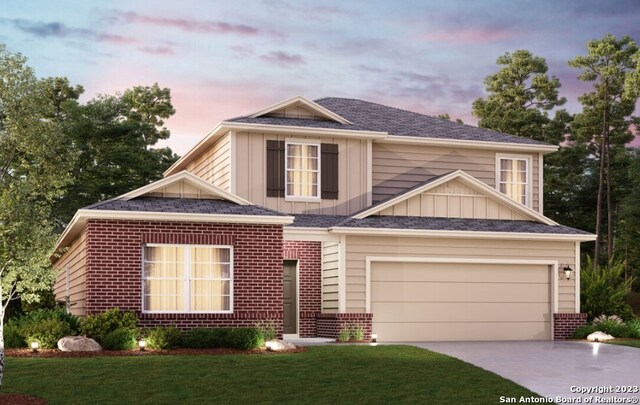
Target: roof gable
<point>183,185</point>
<point>454,195</point>
<point>300,108</point>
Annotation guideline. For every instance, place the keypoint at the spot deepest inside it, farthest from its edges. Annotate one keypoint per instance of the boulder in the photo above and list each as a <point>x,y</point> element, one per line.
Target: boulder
<point>599,337</point>
<point>78,344</point>
<point>279,345</point>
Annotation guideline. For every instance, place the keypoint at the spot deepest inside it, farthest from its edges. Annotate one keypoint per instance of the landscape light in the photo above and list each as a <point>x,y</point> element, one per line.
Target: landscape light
<point>35,346</point>
<point>142,344</point>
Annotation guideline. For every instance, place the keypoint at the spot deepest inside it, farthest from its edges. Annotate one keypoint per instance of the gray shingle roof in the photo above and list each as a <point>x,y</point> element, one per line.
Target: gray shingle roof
<point>183,206</point>
<point>367,116</point>
<point>459,224</point>
<point>317,221</point>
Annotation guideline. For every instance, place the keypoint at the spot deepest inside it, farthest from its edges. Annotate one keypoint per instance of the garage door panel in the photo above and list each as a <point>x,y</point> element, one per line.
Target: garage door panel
<point>458,272</point>
<point>460,301</point>
<point>407,332</point>
<point>459,312</point>
<point>460,292</point>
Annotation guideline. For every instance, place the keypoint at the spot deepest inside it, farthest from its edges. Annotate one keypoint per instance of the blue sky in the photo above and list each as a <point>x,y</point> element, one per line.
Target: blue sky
<point>226,58</point>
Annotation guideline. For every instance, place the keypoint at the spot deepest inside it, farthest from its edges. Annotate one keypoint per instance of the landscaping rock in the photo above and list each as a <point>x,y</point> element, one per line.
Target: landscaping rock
<point>599,337</point>
<point>279,345</point>
<point>78,344</point>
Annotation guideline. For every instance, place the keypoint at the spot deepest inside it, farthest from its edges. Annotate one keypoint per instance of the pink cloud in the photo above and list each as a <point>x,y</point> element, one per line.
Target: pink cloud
<point>283,58</point>
<point>157,50</point>
<point>469,35</point>
<point>189,25</point>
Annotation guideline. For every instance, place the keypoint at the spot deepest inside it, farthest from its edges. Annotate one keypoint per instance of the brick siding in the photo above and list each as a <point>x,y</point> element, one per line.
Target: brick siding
<point>329,325</point>
<point>309,257</point>
<point>114,268</point>
<point>564,324</point>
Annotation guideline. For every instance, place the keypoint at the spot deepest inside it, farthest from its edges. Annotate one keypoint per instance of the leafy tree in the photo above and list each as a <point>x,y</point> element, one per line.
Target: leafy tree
<point>521,94</point>
<point>447,117</point>
<point>113,137</point>
<point>612,65</point>
<point>34,166</point>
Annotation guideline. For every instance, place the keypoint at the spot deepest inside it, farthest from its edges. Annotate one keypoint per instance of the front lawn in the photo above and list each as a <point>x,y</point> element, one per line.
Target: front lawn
<point>631,343</point>
<point>328,374</point>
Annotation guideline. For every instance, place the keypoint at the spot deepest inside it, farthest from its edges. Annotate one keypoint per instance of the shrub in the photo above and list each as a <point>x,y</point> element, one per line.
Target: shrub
<point>634,327</point>
<point>584,331</point>
<point>345,334</point>
<point>610,318</point>
<point>603,291</point>
<point>608,326</point>
<point>46,326</point>
<point>268,329</point>
<point>207,338</point>
<point>245,338</point>
<point>161,338</point>
<point>100,325</point>
<point>357,332</point>
<point>13,339</point>
<point>46,332</point>
<point>119,339</point>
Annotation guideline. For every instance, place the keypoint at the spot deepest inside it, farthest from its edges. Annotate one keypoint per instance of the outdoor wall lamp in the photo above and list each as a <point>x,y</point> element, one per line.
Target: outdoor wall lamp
<point>567,270</point>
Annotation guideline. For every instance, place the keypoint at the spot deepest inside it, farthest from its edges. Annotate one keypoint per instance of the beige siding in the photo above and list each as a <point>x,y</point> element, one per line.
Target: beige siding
<point>214,165</point>
<point>453,199</point>
<point>398,167</point>
<point>295,111</point>
<point>180,189</point>
<point>74,259</point>
<point>359,247</point>
<point>251,175</point>
<point>330,264</point>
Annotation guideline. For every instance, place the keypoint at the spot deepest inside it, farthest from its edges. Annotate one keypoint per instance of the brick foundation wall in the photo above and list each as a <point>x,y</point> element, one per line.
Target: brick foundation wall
<point>309,257</point>
<point>565,323</point>
<point>329,325</point>
<point>114,266</point>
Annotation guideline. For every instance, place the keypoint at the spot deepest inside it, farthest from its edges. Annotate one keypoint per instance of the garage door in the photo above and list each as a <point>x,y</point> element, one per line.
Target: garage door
<point>460,301</point>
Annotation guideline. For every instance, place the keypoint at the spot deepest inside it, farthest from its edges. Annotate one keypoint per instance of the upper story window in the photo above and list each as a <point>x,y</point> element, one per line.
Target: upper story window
<point>302,170</point>
<point>187,278</point>
<point>514,177</point>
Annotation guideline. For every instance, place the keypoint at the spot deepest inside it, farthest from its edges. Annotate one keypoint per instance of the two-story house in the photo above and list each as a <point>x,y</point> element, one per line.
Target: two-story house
<point>319,214</point>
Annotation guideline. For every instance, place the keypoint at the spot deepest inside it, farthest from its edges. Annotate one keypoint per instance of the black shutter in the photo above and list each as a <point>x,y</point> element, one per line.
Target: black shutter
<point>329,167</point>
<point>275,168</point>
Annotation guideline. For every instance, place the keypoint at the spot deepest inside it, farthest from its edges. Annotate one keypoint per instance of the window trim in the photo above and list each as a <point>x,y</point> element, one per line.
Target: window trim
<point>318,146</point>
<point>529,175</point>
<point>187,287</point>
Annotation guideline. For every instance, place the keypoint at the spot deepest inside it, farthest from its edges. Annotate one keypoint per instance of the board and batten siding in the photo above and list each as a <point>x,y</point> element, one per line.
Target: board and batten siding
<point>330,264</point>
<point>214,165</point>
<point>453,200</point>
<point>359,247</point>
<point>398,167</point>
<point>251,168</point>
<point>74,259</point>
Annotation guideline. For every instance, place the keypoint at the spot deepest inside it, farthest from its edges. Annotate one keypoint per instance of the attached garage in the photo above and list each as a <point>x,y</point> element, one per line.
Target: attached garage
<point>425,300</point>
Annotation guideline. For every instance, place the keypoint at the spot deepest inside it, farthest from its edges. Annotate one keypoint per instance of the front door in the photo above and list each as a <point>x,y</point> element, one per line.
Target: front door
<point>290,324</point>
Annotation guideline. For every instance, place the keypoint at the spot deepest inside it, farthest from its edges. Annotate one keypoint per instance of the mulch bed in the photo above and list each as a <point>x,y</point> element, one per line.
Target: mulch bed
<point>21,399</point>
<point>55,353</point>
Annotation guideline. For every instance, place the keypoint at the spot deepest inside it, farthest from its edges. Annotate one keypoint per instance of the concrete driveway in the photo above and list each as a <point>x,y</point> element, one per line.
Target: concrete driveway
<point>555,369</point>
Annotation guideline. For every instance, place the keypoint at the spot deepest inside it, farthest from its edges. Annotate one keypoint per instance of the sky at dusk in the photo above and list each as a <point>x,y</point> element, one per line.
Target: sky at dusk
<point>222,59</point>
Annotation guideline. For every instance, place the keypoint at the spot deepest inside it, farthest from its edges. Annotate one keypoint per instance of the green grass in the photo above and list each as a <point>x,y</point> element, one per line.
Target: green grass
<point>323,375</point>
<point>631,343</point>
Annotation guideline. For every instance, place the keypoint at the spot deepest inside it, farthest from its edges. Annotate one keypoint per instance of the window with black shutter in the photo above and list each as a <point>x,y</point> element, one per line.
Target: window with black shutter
<point>294,170</point>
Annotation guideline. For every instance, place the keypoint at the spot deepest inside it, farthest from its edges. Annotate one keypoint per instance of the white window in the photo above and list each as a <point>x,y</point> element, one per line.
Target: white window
<point>514,177</point>
<point>302,171</point>
<point>187,278</point>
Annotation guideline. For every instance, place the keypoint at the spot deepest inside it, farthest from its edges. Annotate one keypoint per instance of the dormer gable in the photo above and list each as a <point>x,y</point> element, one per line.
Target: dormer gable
<point>183,185</point>
<point>300,108</point>
<point>454,195</point>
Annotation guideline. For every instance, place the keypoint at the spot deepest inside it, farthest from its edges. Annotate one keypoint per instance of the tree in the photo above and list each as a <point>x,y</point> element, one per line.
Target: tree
<point>520,97</point>
<point>34,167</point>
<point>612,65</point>
<point>113,137</point>
<point>447,117</point>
